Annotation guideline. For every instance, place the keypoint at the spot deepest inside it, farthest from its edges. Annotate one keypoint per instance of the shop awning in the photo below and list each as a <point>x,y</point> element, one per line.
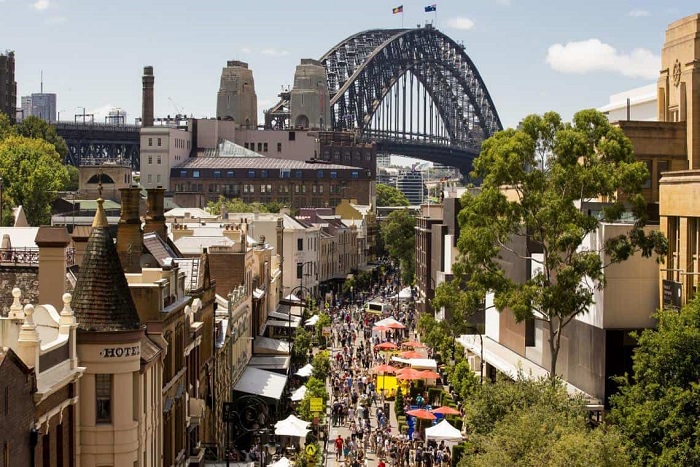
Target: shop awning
<point>270,362</point>
<point>258,294</point>
<point>267,345</point>
<point>282,324</point>
<point>261,383</point>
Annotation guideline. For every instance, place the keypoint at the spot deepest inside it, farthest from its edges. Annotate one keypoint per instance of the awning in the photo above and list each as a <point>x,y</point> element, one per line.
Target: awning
<point>305,371</point>
<point>258,294</point>
<point>298,394</point>
<point>282,314</point>
<point>267,345</point>
<point>282,324</point>
<point>513,364</point>
<point>312,321</point>
<point>283,309</point>
<point>270,362</point>
<point>261,383</point>
<point>443,431</point>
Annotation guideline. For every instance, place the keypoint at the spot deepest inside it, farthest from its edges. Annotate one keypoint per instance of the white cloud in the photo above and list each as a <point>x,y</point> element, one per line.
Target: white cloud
<point>595,56</point>
<point>636,13</point>
<point>56,20</point>
<point>274,52</point>
<point>245,50</point>
<point>460,22</point>
<point>41,5</point>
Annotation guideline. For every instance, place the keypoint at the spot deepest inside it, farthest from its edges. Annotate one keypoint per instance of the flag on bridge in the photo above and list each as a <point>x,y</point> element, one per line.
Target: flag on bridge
<point>430,8</point>
<point>398,9</point>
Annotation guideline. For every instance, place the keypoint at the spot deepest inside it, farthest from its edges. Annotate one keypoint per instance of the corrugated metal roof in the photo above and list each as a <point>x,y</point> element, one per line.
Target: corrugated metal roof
<point>256,163</point>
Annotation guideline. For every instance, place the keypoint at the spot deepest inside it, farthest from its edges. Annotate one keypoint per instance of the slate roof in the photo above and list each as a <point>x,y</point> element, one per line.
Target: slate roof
<point>101,300</point>
<point>158,248</point>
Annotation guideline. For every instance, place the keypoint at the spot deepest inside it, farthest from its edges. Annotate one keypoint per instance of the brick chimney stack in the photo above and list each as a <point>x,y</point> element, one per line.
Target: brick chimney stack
<point>155,213</point>
<point>147,98</point>
<point>129,234</point>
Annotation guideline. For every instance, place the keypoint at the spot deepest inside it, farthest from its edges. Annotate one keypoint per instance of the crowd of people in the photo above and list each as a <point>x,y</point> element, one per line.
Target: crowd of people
<point>357,404</point>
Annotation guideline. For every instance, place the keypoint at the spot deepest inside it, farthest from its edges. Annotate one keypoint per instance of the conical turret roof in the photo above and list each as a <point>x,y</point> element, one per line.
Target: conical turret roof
<point>102,301</point>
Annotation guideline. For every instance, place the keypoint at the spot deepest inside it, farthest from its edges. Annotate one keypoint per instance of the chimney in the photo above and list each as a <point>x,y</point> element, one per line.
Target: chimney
<point>52,243</point>
<point>80,237</point>
<point>147,97</point>
<point>129,234</point>
<point>180,231</point>
<point>155,214</point>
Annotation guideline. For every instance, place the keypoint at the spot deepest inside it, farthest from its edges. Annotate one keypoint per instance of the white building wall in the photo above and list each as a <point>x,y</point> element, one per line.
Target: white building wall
<point>157,159</point>
<point>642,103</point>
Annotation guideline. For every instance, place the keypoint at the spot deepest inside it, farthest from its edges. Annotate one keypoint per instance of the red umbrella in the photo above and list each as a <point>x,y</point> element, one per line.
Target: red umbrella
<point>393,325</point>
<point>384,369</point>
<point>411,354</point>
<point>446,410</point>
<point>409,374</point>
<point>422,414</point>
<point>429,374</point>
<point>380,328</point>
<point>414,344</point>
<point>387,346</point>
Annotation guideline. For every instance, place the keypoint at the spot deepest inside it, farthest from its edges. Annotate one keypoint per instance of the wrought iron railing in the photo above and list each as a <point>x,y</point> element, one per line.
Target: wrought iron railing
<point>29,256</point>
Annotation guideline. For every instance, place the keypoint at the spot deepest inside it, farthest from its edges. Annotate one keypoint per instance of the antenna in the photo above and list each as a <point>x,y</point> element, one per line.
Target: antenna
<point>42,81</point>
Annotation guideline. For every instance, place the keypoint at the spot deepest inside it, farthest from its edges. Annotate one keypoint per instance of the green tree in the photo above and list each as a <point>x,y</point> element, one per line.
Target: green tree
<point>73,178</point>
<point>321,364</point>
<point>238,205</point>
<point>314,388</point>
<point>34,127</point>
<point>658,409</point>
<point>390,196</point>
<point>533,423</point>
<point>301,346</point>
<point>323,320</point>
<point>6,127</point>
<point>399,235</point>
<point>463,379</point>
<point>32,173</point>
<point>548,168</point>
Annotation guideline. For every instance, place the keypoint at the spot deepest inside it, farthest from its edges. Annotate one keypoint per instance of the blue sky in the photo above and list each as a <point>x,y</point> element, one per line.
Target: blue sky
<point>534,55</point>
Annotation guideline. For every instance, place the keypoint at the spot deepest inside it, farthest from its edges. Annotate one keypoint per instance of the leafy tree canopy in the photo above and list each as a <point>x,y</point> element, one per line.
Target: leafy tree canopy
<point>535,423</point>
<point>658,409</point>
<point>534,181</point>
<point>32,173</point>
<point>388,195</point>
<point>321,364</point>
<point>399,236</point>
<point>34,127</point>
<point>314,388</point>
<point>238,205</point>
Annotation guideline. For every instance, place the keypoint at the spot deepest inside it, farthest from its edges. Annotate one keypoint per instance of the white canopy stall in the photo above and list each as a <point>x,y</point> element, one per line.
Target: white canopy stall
<point>443,431</point>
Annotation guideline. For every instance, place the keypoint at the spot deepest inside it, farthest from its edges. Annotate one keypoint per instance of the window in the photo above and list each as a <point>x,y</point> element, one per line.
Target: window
<point>296,188</point>
<point>279,147</point>
<point>150,178</point>
<point>320,188</point>
<point>229,174</point>
<point>355,174</point>
<point>259,147</point>
<point>264,147</point>
<point>217,174</point>
<point>300,268</point>
<point>313,189</point>
<point>300,244</point>
<point>150,159</point>
<point>159,160</point>
<point>150,141</point>
<point>158,178</point>
<point>245,145</point>
<point>292,136</point>
<point>661,166</point>
<point>183,173</point>
<point>251,174</point>
<point>195,173</point>
<point>647,182</point>
<point>334,174</point>
<point>103,398</point>
<point>264,173</point>
<point>303,188</point>
<point>319,174</point>
<point>285,173</point>
<point>297,174</point>
<point>159,141</point>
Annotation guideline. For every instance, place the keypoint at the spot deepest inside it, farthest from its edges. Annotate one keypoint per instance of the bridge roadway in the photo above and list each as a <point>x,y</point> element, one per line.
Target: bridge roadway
<point>95,143</point>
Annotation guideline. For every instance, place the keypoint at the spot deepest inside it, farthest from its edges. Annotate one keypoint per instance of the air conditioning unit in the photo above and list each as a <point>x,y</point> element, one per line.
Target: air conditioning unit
<point>474,363</point>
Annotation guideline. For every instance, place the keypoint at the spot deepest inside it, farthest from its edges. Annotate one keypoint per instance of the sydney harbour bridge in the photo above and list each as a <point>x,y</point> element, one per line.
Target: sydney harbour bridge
<point>415,92</point>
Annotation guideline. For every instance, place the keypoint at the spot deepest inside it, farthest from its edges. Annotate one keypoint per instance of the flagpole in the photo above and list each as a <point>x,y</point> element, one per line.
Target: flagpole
<point>402,18</point>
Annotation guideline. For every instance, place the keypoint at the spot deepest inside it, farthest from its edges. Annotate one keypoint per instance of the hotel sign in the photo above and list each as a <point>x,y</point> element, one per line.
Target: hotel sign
<point>672,292</point>
<point>120,352</point>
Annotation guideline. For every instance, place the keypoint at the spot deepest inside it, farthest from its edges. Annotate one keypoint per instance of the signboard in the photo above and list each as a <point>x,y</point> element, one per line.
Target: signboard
<point>327,331</point>
<point>316,404</point>
<point>672,292</point>
<point>228,410</point>
<point>310,450</point>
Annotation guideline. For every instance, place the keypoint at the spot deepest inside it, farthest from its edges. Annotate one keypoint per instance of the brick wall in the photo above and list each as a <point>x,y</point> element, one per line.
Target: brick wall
<point>16,412</point>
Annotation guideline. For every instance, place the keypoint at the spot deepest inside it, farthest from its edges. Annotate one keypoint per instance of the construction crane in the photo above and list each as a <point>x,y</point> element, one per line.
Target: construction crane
<point>177,109</point>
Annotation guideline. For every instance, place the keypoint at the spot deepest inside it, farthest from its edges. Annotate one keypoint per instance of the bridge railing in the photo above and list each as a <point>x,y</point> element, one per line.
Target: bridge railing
<point>77,126</point>
<point>419,139</point>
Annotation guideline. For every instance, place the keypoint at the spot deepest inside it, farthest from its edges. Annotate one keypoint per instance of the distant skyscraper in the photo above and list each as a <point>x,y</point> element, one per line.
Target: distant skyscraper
<point>410,183</point>
<point>42,105</point>
<point>8,85</point>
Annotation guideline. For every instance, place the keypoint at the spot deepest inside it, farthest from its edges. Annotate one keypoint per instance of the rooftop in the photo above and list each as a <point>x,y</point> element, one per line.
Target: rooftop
<point>256,163</point>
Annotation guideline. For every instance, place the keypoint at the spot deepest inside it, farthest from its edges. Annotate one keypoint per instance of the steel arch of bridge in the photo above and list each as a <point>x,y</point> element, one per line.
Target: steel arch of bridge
<point>363,68</point>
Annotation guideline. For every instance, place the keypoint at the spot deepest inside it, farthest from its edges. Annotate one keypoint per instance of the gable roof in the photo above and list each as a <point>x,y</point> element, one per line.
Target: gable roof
<point>102,301</point>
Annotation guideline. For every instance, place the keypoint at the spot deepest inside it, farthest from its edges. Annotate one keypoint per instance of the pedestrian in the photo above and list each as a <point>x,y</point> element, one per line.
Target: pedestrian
<point>338,447</point>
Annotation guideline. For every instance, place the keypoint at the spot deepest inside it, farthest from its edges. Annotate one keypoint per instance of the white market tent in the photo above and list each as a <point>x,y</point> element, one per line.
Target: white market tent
<point>305,371</point>
<point>283,462</point>
<point>387,322</point>
<point>299,394</point>
<point>292,426</point>
<point>312,321</point>
<point>405,294</point>
<point>443,431</point>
